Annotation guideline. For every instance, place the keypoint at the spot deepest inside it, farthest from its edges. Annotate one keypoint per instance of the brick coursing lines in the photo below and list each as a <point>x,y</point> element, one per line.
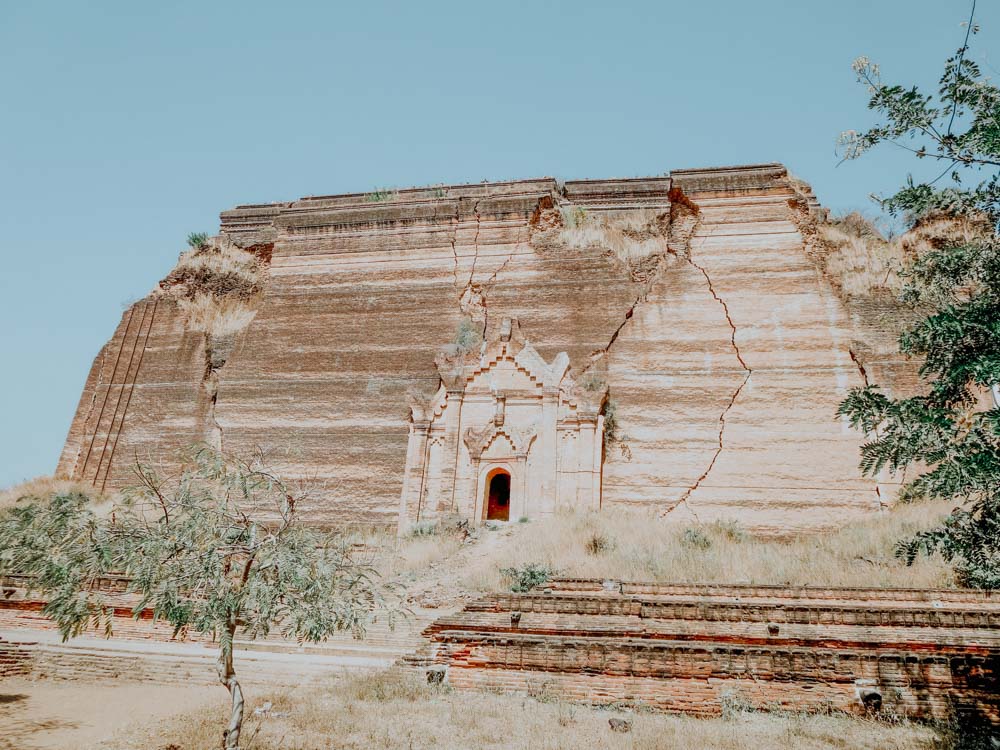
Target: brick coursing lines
<point>804,612</point>
<point>568,585</point>
<point>16,660</point>
<point>932,684</point>
<point>635,658</point>
<point>924,657</point>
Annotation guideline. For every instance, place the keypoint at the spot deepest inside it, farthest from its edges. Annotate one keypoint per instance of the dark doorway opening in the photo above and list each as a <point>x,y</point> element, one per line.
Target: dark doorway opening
<point>498,500</point>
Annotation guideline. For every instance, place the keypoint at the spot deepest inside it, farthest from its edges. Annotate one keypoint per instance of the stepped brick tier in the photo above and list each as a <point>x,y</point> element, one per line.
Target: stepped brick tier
<point>145,649</point>
<point>919,653</point>
<point>687,306</point>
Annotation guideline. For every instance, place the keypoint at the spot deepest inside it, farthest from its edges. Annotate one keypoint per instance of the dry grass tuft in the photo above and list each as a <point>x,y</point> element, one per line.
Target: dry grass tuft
<point>219,316</point>
<point>936,231</point>
<point>418,553</point>
<point>857,258</point>
<point>859,261</point>
<point>42,488</point>
<point>631,236</point>
<point>218,285</point>
<point>639,547</point>
<point>219,268</point>
<point>395,709</point>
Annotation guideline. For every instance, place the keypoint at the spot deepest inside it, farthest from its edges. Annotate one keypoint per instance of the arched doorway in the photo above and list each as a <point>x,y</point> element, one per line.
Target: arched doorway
<point>498,496</point>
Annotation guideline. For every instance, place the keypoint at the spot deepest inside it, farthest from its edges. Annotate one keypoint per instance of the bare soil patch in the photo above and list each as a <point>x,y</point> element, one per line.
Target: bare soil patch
<point>40,715</point>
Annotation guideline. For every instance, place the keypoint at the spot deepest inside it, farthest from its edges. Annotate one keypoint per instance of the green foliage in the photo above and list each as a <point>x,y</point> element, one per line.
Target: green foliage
<point>218,550</point>
<point>611,421</point>
<point>468,336</point>
<point>448,525</point>
<point>957,285</point>
<point>64,546</point>
<point>197,240</point>
<point>424,528</point>
<point>731,530</point>
<point>592,382</point>
<point>526,577</point>
<point>695,539</point>
<point>380,195</point>
<point>734,704</point>
<point>573,216</point>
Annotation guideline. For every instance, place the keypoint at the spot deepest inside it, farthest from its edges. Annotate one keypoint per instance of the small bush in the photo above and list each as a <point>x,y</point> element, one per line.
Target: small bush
<point>446,525</point>
<point>424,528</point>
<point>731,531</point>
<point>592,382</point>
<point>573,217</point>
<point>468,336</point>
<point>734,703</point>
<point>197,240</point>
<point>610,421</point>
<point>695,539</point>
<point>598,544</point>
<point>381,195</point>
<point>526,577</point>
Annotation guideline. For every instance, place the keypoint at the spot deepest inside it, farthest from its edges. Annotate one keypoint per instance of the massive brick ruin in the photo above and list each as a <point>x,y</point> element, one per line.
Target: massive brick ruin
<point>711,348</point>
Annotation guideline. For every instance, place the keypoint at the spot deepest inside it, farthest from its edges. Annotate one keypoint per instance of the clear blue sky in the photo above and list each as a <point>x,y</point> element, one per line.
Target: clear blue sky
<point>126,125</point>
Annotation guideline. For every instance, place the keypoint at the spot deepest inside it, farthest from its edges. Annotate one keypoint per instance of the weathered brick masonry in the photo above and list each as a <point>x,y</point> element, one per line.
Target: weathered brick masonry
<point>15,658</point>
<point>684,648</point>
<point>725,350</point>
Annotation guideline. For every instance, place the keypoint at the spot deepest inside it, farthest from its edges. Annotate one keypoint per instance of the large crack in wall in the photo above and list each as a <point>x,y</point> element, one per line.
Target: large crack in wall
<point>640,243</point>
<point>457,219</point>
<point>682,224</point>
<point>732,400</point>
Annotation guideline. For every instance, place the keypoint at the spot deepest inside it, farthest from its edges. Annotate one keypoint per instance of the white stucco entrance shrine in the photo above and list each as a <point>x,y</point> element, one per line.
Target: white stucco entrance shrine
<point>506,436</point>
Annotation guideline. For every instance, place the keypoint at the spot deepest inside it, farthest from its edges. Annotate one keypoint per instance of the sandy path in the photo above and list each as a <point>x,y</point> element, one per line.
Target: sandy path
<point>39,715</point>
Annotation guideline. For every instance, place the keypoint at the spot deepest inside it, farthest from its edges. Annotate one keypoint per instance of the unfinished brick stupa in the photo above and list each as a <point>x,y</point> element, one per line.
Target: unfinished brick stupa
<point>503,350</point>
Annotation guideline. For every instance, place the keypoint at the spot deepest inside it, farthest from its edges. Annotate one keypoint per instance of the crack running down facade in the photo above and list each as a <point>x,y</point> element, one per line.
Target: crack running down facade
<point>674,329</point>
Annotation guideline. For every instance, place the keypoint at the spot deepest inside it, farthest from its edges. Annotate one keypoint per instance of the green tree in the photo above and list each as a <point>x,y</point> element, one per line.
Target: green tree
<point>951,430</point>
<point>218,550</point>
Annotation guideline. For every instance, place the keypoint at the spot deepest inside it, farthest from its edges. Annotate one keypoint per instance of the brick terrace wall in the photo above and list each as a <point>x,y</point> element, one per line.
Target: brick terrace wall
<point>926,653</point>
<point>15,659</point>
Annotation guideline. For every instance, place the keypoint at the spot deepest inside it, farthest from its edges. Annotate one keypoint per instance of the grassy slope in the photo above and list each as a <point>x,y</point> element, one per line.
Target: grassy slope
<point>638,547</point>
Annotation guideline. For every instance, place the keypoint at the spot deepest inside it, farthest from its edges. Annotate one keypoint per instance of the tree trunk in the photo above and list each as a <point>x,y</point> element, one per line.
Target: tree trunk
<point>227,676</point>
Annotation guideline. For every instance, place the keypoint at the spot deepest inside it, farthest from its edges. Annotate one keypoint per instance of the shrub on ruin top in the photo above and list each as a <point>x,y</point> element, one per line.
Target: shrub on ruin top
<point>197,240</point>
<point>524,578</point>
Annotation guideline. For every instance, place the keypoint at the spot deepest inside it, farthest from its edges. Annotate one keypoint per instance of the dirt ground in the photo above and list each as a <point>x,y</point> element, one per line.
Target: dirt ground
<point>41,715</point>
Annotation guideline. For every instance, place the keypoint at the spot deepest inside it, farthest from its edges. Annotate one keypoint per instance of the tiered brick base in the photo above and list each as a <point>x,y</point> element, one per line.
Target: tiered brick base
<point>145,649</point>
<point>690,648</point>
